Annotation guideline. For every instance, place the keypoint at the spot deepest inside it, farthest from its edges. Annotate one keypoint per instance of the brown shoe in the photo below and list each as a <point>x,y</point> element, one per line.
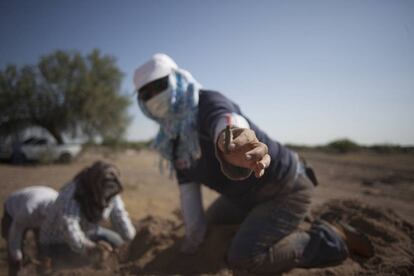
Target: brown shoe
<point>357,242</point>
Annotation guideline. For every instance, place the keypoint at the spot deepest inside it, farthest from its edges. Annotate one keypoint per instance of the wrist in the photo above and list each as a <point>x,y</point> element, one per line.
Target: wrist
<point>90,247</point>
<point>231,171</point>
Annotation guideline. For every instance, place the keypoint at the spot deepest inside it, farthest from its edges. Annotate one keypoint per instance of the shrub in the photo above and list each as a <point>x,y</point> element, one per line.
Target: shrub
<point>122,145</point>
<point>343,146</point>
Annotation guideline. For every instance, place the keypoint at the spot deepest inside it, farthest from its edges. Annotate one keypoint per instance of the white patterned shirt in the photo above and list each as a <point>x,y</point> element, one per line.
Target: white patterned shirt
<point>65,223</point>
<point>28,208</point>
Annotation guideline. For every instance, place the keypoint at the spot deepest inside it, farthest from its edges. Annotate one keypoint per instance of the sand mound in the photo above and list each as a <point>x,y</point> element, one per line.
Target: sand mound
<point>155,250</point>
<point>392,238</point>
<point>156,247</point>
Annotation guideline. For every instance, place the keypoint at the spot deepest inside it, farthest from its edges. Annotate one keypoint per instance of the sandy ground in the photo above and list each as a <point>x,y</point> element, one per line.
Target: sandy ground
<point>373,192</point>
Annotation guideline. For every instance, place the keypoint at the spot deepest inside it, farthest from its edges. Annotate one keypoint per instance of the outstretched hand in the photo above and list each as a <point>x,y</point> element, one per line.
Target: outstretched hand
<point>244,150</point>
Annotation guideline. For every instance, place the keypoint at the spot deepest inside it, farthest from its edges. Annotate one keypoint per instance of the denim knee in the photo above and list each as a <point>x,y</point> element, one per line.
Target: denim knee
<point>238,259</point>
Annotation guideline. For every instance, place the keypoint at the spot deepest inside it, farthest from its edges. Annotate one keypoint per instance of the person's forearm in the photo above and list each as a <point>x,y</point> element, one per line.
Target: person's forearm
<point>230,120</point>
<point>234,119</point>
<point>15,241</point>
<point>75,238</point>
<point>127,230</point>
<point>121,221</point>
<point>192,211</point>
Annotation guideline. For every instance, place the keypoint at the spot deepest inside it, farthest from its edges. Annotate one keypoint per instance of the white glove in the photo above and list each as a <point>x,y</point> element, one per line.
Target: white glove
<point>193,216</point>
<point>190,245</point>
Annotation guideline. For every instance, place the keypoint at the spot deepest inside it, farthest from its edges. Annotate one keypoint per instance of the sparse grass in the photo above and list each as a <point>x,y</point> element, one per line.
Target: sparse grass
<point>119,145</point>
<point>345,145</point>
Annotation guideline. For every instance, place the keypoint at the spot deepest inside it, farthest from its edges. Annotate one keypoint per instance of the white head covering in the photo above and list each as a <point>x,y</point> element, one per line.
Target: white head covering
<point>160,65</point>
<point>182,116</point>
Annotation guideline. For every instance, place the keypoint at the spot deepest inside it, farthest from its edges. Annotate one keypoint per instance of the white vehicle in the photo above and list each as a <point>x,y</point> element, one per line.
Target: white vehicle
<point>40,149</point>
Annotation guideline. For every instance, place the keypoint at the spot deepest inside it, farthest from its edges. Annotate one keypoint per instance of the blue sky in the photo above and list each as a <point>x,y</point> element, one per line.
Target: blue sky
<point>306,72</point>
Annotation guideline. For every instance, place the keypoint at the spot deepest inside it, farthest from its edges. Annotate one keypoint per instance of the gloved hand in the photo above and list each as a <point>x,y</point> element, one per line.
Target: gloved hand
<point>104,246</point>
<point>244,150</point>
<point>190,246</point>
<point>122,252</point>
<point>193,240</point>
<point>99,253</point>
<point>193,217</point>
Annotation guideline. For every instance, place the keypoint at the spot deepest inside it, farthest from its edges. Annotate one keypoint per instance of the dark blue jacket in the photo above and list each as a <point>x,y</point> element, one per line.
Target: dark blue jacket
<point>212,107</point>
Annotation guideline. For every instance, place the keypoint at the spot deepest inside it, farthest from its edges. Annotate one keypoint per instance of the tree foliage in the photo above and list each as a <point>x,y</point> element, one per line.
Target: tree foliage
<point>343,145</point>
<point>64,93</point>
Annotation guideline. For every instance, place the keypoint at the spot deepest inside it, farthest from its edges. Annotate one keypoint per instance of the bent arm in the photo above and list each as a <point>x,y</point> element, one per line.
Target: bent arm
<point>15,241</point>
<point>73,234</point>
<point>120,219</point>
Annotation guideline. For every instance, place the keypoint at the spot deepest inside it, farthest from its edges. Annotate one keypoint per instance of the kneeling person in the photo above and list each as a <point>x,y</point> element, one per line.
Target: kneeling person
<point>24,210</point>
<point>73,223</point>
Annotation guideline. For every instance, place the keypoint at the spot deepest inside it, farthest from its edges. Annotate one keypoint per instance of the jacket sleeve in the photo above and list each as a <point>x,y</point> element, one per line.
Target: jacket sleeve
<point>214,109</point>
<point>15,241</point>
<point>120,219</point>
<point>72,232</point>
<point>229,170</point>
<point>192,211</point>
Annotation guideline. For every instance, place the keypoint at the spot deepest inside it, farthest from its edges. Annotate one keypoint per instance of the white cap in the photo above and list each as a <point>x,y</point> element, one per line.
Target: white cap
<point>160,65</point>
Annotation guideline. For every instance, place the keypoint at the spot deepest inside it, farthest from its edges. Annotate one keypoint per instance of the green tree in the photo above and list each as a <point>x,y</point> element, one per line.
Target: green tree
<point>343,145</point>
<point>65,93</point>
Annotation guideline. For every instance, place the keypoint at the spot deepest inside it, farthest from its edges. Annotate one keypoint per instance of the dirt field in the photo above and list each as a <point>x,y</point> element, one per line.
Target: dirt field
<point>373,192</point>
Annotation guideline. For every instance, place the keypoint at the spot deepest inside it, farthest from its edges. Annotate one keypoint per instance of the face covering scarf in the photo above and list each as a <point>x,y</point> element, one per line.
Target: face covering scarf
<point>179,120</point>
<point>158,106</point>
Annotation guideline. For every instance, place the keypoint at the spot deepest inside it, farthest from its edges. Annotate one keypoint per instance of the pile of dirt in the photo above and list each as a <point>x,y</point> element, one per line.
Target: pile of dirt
<point>391,236</point>
<point>155,249</point>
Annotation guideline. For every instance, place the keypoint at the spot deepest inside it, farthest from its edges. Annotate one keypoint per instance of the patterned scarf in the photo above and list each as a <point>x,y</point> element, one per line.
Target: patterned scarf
<point>180,124</point>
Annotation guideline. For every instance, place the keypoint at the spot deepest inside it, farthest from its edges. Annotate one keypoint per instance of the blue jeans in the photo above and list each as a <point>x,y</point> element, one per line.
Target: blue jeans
<point>107,235</point>
<point>268,240</point>
<point>63,251</point>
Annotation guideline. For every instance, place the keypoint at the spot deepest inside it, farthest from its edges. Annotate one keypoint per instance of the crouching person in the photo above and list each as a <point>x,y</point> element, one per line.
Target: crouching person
<point>72,228</point>
<point>24,210</point>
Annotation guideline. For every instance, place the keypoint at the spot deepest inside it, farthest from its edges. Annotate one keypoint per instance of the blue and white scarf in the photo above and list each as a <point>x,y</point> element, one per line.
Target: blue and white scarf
<point>181,121</point>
